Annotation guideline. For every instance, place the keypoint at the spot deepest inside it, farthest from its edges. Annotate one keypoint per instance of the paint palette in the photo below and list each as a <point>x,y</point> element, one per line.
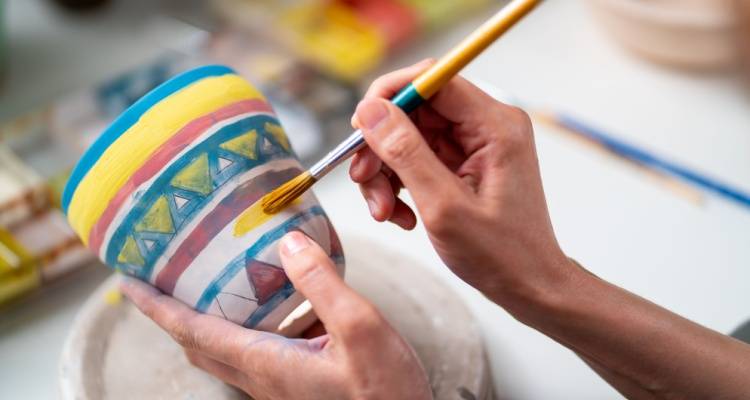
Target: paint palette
<point>345,39</point>
<point>162,196</point>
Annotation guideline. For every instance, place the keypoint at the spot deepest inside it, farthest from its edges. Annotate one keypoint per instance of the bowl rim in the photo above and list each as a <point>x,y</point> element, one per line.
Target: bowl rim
<point>130,117</point>
<point>664,15</point>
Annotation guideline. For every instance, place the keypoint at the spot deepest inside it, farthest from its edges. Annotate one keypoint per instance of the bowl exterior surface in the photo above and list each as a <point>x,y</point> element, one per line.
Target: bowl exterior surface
<point>696,34</point>
<point>165,195</point>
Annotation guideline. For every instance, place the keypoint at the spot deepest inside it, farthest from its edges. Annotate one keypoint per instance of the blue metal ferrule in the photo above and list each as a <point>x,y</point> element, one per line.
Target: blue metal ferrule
<point>408,98</point>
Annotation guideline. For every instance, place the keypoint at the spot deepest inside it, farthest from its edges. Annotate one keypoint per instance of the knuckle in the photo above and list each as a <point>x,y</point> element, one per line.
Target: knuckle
<point>152,308</point>
<point>366,320</point>
<point>518,133</point>
<point>521,120</point>
<point>442,216</point>
<point>185,336</point>
<point>383,82</point>
<point>310,269</point>
<point>400,146</point>
<point>149,309</point>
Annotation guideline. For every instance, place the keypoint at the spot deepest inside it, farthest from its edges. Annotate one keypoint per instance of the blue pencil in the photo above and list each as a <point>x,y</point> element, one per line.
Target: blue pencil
<point>651,160</point>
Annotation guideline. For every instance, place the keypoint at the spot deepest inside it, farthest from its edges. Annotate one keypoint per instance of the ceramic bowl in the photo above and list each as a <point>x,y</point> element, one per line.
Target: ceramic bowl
<point>164,195</point>
<point>694,34</point>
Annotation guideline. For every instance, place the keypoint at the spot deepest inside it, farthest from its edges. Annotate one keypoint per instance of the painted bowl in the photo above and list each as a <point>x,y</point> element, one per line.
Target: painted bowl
<point>164,195</point>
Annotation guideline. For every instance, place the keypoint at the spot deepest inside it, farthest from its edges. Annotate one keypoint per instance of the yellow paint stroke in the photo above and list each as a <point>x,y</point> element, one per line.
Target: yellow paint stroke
<point>128,153</point>
<point>253,217</point>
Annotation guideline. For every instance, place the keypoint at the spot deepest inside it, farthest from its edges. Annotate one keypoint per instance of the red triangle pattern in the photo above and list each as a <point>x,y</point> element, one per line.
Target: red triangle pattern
<point>267,279</point>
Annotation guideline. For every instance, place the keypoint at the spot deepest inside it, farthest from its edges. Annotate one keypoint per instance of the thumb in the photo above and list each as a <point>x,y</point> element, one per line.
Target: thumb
<point>313,273</point>
<point>393,137</point>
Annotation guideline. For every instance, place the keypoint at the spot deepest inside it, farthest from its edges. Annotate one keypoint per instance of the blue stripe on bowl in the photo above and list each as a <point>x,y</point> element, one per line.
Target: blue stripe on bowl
<point>130,117</point>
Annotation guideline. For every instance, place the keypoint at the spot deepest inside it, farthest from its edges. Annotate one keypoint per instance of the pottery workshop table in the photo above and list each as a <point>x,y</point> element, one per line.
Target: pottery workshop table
<point>616,221</point>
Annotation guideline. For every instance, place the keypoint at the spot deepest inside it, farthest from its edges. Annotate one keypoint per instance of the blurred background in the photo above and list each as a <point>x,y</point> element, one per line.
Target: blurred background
<point>641,110</point>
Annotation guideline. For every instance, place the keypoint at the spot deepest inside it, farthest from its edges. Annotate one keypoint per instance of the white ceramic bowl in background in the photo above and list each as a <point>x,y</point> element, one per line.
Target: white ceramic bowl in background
<point>696,34</point>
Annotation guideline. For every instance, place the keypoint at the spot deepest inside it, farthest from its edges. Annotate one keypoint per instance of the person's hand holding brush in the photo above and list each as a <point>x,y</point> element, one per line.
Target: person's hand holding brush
<point>469,163</point>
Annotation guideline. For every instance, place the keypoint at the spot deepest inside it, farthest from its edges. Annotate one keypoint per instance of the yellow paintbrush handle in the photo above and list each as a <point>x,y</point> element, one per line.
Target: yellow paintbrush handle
<point>434,78</point>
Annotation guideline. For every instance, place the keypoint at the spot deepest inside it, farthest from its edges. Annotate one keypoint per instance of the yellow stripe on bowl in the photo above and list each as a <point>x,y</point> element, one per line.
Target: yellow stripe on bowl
<point>131,150</point>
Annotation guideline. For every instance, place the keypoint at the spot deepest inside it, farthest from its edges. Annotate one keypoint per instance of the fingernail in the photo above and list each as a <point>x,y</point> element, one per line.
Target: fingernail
<point>370,112</point>
<point>294,242</point>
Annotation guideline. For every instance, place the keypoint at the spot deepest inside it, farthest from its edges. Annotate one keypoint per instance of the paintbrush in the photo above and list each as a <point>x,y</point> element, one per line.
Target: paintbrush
<point>408,98</point>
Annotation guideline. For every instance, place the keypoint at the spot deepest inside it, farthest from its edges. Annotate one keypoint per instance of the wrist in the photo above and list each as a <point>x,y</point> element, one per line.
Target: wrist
<point>554,281</point>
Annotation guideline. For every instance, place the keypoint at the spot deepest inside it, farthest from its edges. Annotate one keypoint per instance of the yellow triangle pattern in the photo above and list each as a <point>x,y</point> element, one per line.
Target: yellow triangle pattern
<point>157,219</point>
<point>195,177</point>
<point>278,132</point>
<point>243,145</point>
<point>130,253</point>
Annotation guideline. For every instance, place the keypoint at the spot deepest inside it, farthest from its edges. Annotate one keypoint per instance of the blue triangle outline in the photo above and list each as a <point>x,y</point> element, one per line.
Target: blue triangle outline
<point>160,242</point>
<point>180,215</point>
<point>239,164</point>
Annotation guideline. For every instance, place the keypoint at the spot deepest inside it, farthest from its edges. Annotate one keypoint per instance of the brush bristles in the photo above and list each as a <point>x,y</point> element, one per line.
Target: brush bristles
<point>283,195</point>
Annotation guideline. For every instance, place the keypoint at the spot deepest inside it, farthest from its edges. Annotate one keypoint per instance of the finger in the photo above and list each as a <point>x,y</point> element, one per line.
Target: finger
<point>395,139</point>
<point>224,372</point>
<point>391,83</point>
<point>379,196</point>
<point>430,121</point>
<point>470,109</point>
<point>403,215</point>
<point>450,153</point>
<point>221,339</point>
<point>396,184</point>
<point>365,165</point>
<point>312,272</point>
<point>459,100</point>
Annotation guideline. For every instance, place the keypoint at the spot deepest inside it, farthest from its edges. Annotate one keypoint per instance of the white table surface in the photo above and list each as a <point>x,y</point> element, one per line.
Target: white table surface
<point>692,259</point>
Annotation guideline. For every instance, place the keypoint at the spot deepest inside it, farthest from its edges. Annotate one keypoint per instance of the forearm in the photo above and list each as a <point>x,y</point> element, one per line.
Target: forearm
<point>645,351</point>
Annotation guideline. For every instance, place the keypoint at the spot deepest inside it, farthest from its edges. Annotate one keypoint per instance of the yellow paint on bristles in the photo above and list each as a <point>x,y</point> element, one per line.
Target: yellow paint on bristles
<point>283,195</point>
<point>255,216</point>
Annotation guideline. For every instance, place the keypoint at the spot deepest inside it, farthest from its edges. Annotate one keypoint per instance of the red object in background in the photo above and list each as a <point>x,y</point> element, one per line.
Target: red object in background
<point>395,21</point>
